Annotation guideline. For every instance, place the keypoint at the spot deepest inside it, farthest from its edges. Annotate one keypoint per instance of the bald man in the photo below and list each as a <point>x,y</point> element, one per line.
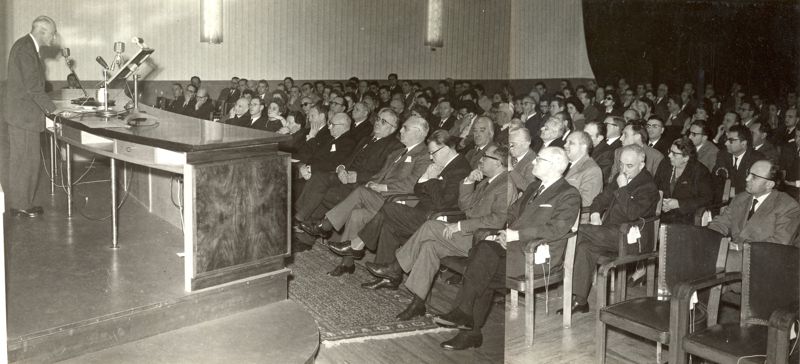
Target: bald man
<point>204,106</point>
<point>25,106</point>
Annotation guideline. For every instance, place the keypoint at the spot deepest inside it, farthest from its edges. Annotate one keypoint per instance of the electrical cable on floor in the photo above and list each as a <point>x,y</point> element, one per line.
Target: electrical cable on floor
<point>119,205</point>
<point>179,205</point>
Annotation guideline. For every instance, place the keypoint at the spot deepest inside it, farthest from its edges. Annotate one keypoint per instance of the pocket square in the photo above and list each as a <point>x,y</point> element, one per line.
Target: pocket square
<point>546,205</point>
<point>408,159</point>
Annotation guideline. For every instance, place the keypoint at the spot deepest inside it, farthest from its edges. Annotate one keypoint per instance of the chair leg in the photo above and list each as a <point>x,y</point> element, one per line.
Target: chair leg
<point>514,295</point>
<point>650,288</point>
<point>600,333</point>
<point>622,284</point>
<point>613,293</point>
<point>566,299</point>
<point>658,353</point>
<point>530,312</point>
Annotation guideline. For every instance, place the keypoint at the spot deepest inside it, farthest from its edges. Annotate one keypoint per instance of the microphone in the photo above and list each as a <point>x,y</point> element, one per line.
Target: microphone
<point>102,62</point>
<point>119,47</point>
<point>65,52</point>
<point>139,42</point>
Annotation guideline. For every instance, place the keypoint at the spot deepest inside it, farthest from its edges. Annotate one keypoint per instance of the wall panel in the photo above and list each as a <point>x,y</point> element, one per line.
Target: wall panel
<point>306,39</point>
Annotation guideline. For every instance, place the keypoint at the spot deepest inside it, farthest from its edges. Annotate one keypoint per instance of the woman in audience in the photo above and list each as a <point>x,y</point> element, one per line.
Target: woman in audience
<point>684,182</point>
<point>575,110</point>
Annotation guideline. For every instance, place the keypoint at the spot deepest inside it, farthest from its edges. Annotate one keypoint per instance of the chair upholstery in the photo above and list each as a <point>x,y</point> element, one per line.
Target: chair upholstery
<point>769,307</point>
<point>685,253</point>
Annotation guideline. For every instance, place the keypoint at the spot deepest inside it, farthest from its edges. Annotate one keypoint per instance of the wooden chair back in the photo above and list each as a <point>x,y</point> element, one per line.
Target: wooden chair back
<point>686,253</point>
<point>769,280</point>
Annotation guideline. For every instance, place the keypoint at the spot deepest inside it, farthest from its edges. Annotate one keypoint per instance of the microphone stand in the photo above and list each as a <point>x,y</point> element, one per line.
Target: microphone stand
<point>105,112</point>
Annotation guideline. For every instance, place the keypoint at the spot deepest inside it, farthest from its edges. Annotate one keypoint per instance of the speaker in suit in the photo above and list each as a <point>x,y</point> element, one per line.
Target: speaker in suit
<point>402,170</point>
<point>521,171</point>
<point>692,189</point>
<point>790,163</point>
<point>638,199</point>
<point>395,223</point>
<point>25,106</point>
<point>603,155</point>
<point>486,206</point>
<point>325,190</point>
<point>725,167</point>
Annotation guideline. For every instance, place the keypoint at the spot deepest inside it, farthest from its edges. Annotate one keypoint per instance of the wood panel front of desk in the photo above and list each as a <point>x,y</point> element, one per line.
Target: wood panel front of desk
<point>241,218</point>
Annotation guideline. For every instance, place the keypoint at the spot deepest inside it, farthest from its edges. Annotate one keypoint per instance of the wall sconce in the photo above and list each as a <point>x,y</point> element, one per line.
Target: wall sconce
<point>212,22</point>
<point>433,37</point>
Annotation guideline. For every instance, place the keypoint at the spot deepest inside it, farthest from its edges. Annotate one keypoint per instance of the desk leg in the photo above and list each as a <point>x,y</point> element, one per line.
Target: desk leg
<point>114,241</point>
<point>68,182</point>
<point>53,162</point>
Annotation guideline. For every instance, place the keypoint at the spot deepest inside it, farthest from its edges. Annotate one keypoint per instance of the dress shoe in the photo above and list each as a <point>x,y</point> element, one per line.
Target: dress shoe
<point>464,340</point>
<point>391,271</point>
<point>415,309</point>
<point>455,319</point>
<point>382,283</point>
<point>342,269</point>
<point>31,212</point>
<point>344,248</point>
<point>315,230</point>
<point>576,308</point>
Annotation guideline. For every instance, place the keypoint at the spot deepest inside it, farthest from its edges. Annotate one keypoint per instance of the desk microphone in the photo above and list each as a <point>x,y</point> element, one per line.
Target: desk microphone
<point>65,53</point>
<point>119,47</point>
<point>102,62</point>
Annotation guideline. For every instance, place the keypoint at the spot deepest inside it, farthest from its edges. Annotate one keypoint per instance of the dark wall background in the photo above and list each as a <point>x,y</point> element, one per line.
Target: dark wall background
<point>719,42</point>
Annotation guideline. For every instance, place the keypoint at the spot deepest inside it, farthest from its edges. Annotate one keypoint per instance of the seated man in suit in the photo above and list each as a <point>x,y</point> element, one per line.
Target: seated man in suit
<point>176,104</point>
<point>446,113</point>
<point>656,137</point>
<point>204,106</point>
<point>790,163</point>
<point>734,163</point>
<point>761,134</point>
<point>685,182</point>
<point>583,172</point>
<point>552,132</point>
<point>436,190</point>
<point>402,170</point>
<point>258,115</point>
<point>327,154</point>
<point>239,113</point>
<point>759,213</point>
<point>632,195</point>
<point>699,134</point>
<point>546,211</point>
<point>482,135</point>
<point>636,133</point>
<point>189,99</point>
<point>521,155</point>
<point>486,205</point>
<point>602,152</point>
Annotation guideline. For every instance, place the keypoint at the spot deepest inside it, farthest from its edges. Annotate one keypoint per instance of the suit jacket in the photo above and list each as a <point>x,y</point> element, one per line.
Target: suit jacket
<point>361,131</point>
<point>402,169</point>
<point>707,155</point>
<point>652,158</point>
<point>775,220</point>
<point>663,144</point>
<point>522,174</point>
<point>474,154</point>
<point>204,112</point>
<point>25,100</point>
<point>790,162</point>
<point>442,193</point>
<point>737,176</point>
<point>176,105</point>
<point>447,125</point>
<point>692,190</point>
<point>330,153</point>
<point>484,203</point>
<point>586,176</point>
<point>603,155</point>
<point>368,157</point>
<point>769,151</point>
<point>534,124</point>
<point>637,199</point>
<point>660,108</point>
<point>548,217</point>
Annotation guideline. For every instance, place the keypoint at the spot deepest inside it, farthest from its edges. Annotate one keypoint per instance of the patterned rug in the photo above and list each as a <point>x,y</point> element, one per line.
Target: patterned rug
<point>342,309</point>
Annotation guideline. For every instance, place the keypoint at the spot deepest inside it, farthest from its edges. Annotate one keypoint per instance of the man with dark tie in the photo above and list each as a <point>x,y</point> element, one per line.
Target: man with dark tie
<point>25,107</point>
<point>546,211</point>
<point>520,159</point>
<point>447,118</point>
<point>362,128</point>
<point>632,195</point>
<point>482,135</point>
<point>189,99</point>
<point>735,162</point>
<point>484,198</point>
<point>228,96</point>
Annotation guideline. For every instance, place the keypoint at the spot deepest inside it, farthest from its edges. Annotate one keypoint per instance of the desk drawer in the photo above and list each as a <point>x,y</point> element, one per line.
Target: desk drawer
<point>135,151</point>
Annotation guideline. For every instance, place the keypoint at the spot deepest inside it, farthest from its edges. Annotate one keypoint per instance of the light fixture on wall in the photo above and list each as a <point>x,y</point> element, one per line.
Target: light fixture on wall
<point>212,22</point>
<point>433,38</point>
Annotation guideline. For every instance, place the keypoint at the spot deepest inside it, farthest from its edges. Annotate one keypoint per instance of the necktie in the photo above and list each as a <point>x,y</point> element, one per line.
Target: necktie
<point>735,162</point>
<point>514,162</point>
<point>569,165</point>
<point>652,144</point>
<point>752,209</point>
<point>536,194</point>
<point>672,182</point>
<point>401,155</point>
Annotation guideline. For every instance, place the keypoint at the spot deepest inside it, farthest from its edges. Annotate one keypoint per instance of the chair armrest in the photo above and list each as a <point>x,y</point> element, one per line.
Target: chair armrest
<point>482,233</point>
<point>778,333</point>
<point>402,197</point>
<point>530,246</point>
<point>449,215</point>
<point>684,290</point>
<point>628,259</point>
<point>625,227</point>
<point>782,319</point>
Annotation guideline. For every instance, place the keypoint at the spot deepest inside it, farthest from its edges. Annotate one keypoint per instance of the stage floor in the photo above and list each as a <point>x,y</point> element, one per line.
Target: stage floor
<point>61,270</point>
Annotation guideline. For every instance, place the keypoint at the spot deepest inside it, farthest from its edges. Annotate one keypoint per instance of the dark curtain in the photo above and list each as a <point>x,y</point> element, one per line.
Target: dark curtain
<point>717,42</point>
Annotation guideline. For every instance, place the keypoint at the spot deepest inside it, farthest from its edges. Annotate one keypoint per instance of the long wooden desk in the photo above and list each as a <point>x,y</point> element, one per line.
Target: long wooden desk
<point>235,183</point>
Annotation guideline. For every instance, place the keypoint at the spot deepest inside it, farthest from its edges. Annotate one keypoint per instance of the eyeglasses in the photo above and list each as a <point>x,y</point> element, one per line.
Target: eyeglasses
<point>653,126</point>
<point>336,103</point>
<point>611,124</point>
<point>672,152</point>
<point>762,177</point>
<point>436,151</point>
<point>306,104</point>
<point>693,134</point>
<point>490,157</point>
<point>731,140</point>
<point>609,98</point>
<point>539,159</point>
<point>385,122</point>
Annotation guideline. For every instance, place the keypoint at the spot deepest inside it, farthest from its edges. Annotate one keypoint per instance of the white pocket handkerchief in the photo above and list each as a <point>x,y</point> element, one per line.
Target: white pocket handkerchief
<point>333,147</point>
<point>546,205</point>
<point>408,159</point>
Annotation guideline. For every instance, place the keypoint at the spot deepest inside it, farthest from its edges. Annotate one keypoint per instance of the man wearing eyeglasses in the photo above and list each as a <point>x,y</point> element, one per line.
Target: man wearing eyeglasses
<point>759,213</point>
<point>655,134</point>
<point>735,162</point>
<point>747,112</point>
<point>204,106</point>
<point>699,134</point>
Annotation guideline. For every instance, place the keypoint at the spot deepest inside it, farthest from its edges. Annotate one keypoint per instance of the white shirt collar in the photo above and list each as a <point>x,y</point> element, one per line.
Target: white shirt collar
<point>35,43</point>
<point>546,185</point>
<point>611,140</point>
<point>760,199</point>
<point>412,147</point>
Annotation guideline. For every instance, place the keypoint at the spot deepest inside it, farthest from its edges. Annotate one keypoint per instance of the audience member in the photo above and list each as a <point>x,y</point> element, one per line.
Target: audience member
<point>684,182</point>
